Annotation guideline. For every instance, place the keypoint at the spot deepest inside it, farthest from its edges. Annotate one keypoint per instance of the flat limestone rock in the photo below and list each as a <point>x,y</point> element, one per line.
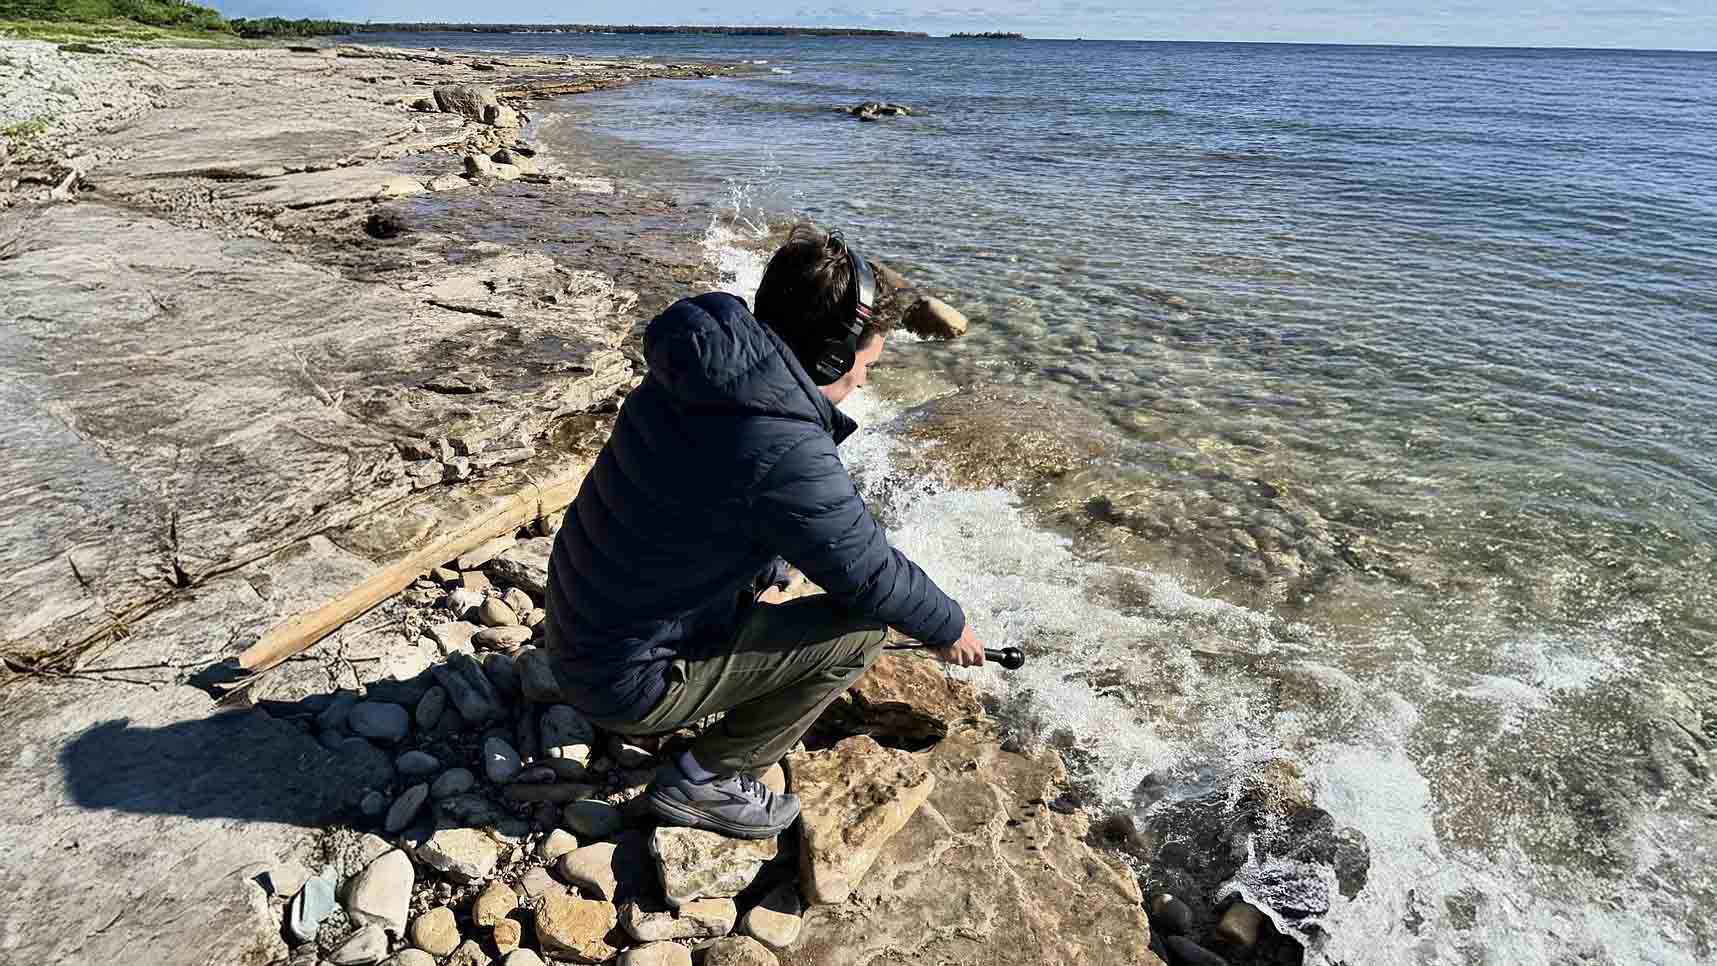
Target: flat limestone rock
<point>229,399</point>
<point>907,699</point>
<point>962,885</point>
<point>855,797</point>
<point>524,565</point>
<point>699,919</point>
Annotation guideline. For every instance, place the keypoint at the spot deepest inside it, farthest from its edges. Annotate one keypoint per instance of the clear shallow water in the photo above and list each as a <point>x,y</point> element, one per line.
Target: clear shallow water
<point>1395,376</point>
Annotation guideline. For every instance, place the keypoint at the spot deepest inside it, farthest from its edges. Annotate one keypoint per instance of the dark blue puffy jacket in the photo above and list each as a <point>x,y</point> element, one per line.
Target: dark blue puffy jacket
<point>720,462</point>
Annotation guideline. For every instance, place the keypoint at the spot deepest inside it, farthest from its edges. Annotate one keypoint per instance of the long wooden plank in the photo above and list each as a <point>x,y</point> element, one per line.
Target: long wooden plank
<point>534,499</point>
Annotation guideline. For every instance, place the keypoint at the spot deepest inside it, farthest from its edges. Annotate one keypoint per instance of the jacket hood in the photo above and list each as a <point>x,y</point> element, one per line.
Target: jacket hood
<point>710,351</point>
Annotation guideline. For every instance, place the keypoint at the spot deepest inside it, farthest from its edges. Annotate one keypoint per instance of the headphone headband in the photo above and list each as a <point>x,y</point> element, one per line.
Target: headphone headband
<point>839,354</point>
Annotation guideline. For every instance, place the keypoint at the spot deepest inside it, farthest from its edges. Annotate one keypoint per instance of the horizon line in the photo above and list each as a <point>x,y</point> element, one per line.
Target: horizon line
<point>858,34</point>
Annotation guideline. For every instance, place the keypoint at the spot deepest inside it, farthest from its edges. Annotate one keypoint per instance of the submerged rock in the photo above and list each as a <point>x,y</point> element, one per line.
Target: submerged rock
<point>932,318</point>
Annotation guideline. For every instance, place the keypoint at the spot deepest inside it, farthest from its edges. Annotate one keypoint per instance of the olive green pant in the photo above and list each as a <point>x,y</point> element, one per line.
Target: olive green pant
<point>785,665</point>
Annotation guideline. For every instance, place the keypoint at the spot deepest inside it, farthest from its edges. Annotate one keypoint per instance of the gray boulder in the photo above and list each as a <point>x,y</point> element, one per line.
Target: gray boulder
<point>474,101</point>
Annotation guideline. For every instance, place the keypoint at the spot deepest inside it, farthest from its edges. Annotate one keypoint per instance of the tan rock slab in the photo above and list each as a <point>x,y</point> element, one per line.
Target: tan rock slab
<point>695,864</point>
<point>657,954</point>
<point>739,951</point>
<point>699,919</point>
<point>571,928</point>
<point>855,797</point>
<point>496,902</point>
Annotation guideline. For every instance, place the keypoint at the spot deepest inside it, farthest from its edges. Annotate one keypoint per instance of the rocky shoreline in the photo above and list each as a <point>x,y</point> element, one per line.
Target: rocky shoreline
<point>316,380</point>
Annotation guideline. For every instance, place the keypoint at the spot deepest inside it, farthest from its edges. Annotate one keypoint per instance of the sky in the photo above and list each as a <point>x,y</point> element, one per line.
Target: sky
<point>1685,24</point>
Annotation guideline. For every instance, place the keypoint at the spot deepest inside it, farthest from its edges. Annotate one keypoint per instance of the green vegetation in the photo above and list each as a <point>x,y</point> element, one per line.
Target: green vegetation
<point>281,27</point>
<point>22,133</point>
<point>123,21</point>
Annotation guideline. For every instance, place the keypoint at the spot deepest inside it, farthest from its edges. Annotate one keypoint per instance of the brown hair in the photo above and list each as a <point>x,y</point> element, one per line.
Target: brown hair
<point>807,295</point>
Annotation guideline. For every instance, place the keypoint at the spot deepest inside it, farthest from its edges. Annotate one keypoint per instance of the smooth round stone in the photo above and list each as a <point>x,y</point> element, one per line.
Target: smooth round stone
<point>556,844</point>
<point>775,922</point>
<point>592,820</point>
<point>508,934</point>
<point>417,764</point>
<point>379,720</point>
<point>522,957</point>
<point>367,945</point>
<point>518,601</point>
<point>406,807</point>
<point>435,932</point>
<point>410,957</point>
<point>493,613</point>
<point>657,954</point>
<point>374,804</point>
<point>453,781</point>
<point>430,707</point>
<point>500,762</point>
<point>502,638</point>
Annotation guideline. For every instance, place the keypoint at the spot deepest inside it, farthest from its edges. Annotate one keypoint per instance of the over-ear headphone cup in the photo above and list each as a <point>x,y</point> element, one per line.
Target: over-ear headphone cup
<point>836,360</point>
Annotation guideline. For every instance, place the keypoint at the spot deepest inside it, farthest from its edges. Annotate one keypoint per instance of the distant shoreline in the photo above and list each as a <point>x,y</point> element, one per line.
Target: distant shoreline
<point>276,26</point>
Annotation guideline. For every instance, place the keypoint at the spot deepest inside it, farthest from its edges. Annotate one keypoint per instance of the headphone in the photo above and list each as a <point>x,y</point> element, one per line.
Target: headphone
<point>838,355</point>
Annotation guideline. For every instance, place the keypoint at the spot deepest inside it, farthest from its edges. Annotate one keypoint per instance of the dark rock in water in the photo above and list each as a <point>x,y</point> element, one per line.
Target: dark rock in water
<point>1170,915</point>
<point>1184,952</point>
<point>1239,925</point>
<point>932,318</point>
<point>871,110</point>
<point>1352,861</point>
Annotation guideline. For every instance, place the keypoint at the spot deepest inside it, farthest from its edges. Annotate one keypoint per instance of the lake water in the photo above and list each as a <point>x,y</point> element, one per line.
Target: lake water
<point>1350,405</point>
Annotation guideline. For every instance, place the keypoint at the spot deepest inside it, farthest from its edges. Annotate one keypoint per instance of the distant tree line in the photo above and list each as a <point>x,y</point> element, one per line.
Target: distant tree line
<point>280,27</point>
<point>988,35</point>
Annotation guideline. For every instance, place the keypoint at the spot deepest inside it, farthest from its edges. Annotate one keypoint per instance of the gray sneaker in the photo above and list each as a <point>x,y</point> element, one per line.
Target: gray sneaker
<point>737,806</point>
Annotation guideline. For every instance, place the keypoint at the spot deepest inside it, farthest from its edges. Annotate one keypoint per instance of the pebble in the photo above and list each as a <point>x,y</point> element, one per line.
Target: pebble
<point>417,764</point>
<point>536,616</point>
<point>508,935</point>
<point>775,922</point>
<point>538,883</point>
<point>285,879</point>
<point>410,957</point>
<point>1239,925</point>
<point>436,932</point>
<point>405,808</point>
<point>476,582</point>
<point>429,709</point>
<point>494,613</point>
<point>464,855</point>
<point>469,689</point>
<point>519,601</point>
<point>501,638</point>
<point>469,953</point>
<point>374,804</point>
<point>453,781</point>
<point>453,637</point>
<point>381,894</point>
<point>523,957</point>
<point>333,717</point>
<point>592,819</point>
<point>738,951</point>
<point>556,844</point>
<point>573,928</point>
<point>566,735</point>
<point>500,762</point>
<point>367,945</point>
<point>1184,952</point>
<point>464,602</point>
<point>314,903</point>
<point>496,902</point>
<point>657,954</point>
<point>702,919</point>
<point>443,575</point>
<point>503,673</point>
<point>1171,915</point>
<point>609,870</point>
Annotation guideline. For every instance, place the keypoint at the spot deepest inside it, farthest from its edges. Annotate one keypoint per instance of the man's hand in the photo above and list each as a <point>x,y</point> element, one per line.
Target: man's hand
<point>968,651</point>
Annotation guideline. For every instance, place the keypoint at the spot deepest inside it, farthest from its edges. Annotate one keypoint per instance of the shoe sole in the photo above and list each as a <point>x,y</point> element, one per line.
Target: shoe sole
<point>677,814</point>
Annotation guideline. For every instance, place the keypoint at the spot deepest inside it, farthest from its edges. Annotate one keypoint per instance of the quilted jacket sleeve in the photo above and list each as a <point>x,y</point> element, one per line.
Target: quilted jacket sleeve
<point>808,511</point>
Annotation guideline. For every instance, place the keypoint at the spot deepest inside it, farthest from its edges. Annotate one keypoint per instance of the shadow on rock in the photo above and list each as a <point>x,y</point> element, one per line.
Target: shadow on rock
<point>240,764</point>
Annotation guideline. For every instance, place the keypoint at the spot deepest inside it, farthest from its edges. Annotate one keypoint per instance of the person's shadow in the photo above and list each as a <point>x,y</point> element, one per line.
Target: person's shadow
<point>246,764</point>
